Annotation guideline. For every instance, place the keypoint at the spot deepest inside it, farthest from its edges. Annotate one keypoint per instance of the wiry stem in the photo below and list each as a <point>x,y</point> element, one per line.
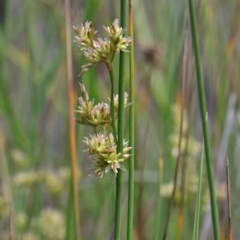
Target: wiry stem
<point>198,202</point>
<point>110,70</point>
<point>202,103</point>
<point>229,203</point>
<point>120,125</point>
<point>131,132</point>
<point>157,231</point>
<point>11,237</point>
<point>73,151</point>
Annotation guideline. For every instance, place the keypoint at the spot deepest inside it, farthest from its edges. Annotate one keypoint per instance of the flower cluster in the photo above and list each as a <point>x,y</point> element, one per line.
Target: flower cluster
<point>98,114</point>
<point>51,224</point>
<point>90,114</point>
<point>103,150</point>
<point>101,146</point>
<point>117,40</point>
<point>55,182</point>
<point>99,49</point>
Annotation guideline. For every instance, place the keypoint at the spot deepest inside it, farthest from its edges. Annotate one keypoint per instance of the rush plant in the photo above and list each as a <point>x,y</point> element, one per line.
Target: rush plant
<point>103,145</point>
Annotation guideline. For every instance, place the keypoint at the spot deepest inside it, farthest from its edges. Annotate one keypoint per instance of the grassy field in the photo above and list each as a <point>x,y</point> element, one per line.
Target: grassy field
<point>37,195</point>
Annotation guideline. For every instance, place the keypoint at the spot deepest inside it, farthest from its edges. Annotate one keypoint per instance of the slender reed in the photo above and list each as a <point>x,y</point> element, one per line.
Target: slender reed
<point>179,156</point>
<point>202,103</point>
<point>183,105</point>
<point>175,177</point>
<point>70,226</point>
<point>229,202</point>
<point>11,236</point>
<point>72,135</point>
<point>123,18</point>
<point>131,131</point>
<point>157,231</point>
<point>110,70</point>
<point>198,202</point>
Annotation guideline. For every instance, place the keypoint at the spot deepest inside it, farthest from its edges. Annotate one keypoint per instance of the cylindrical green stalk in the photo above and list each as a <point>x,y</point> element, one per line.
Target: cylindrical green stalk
<point>110,70</point>
<point>157,233</point>
<point>70,233</point>
<point>202,103</point>
<point>72,133</point>
<point>198,202</point>
<point>120,125</point>
<point>131,132</point>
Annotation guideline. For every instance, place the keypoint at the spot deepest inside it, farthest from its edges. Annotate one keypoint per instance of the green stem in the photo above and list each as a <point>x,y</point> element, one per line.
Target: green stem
<point>72,132</point>
<point>70,232</point>
<point>198,202</point>
<point>110,70</point>
<point>118,206</point>
<point>202,102</point>
<point>120,125</point>
<point>131,133</point>
<point>157,233</point>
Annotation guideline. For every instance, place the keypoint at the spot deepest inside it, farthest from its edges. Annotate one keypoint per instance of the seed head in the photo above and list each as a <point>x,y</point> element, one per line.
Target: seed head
<point>84,35</point>
<point>100,49</point>
<point>115,34</point>
<point>96,114</point>
<point>126,103</point>
<point>103,152</point>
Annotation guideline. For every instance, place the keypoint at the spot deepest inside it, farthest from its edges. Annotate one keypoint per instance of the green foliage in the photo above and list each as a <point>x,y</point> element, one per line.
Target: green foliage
<point>34,145</point>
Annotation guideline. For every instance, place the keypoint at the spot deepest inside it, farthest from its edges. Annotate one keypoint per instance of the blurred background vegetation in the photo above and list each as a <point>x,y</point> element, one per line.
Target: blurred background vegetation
<point>34,144</point>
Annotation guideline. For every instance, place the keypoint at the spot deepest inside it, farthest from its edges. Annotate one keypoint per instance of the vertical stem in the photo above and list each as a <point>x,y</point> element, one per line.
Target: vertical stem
<point>110,70</point>
<point>183,106</point>
<point>157,231</point>
<point>11,235</point>
<point>72,135</point>
<point>179,156</point>
<point>70,226</point>
<point>118,206</point>
<point>175,177</point>
<point>229,202</point>
<point>131,132</point>
<point>198,202</point>
<point>120,125</point>
<point>202,102</point>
